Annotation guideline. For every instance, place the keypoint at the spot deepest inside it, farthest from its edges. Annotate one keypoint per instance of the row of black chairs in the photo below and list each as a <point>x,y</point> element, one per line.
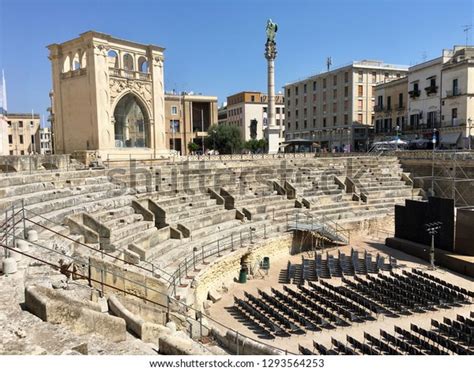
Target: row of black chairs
<point>424,346</point>
<point>414,298</point>
<point>444,342</point>
<point>382,346</point>
<point>444,283</point>
<point>399,294</point>
<point>443,292</point>
<point>280,319</point>
<point>321,310</point>
<point>258,319</point>
<point>359,299</point>
<point>288,311</point>
<point>326,303</point>
<point>416,341</point>
<point>323,350</point>
<point>301,309</point>
<point>458,330</point>
<point>342,348</point>
<point>383,298</point>
<point>354,312</point>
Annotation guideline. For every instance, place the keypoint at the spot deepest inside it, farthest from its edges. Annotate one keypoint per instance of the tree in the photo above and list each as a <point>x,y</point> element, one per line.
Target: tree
<point>193,147</point>
<point>223,138</point>
<point>255,145</point>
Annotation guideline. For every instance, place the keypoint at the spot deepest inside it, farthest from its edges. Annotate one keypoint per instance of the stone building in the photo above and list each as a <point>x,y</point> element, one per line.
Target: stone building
<point>23,133</point>
<point>457,98</point>
<point>108,96</point>
<point>222,114</point>
<point>390,108</point>
<point>440,97</point>
<point>188,117</point>
<point>248,111</point>
<point>45,141</point>
<point>336,108</point>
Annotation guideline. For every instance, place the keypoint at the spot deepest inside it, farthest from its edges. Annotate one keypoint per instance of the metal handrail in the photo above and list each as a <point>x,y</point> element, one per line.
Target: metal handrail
<point>103,253</point>
<point>169,300</point>
<point>218,246</point>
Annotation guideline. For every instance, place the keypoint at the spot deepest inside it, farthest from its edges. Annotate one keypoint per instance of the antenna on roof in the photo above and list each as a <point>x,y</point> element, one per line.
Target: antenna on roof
<point>467,29</point>
<point>329,63</point>
<point>424,56</point>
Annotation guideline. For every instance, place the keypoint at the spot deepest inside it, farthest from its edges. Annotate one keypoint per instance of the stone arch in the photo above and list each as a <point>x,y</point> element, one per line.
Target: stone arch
<point>131,121</point>
<point>66,64</point>
<point>128,62</point>
<point>84,59</point>
<point>112,56</point>
<point>143,64</point>
<point>76,62</point>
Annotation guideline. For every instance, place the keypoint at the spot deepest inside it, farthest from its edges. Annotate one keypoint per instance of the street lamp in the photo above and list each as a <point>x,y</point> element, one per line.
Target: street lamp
<point>433,141</point>
<point>469,122</point>
<point>214,132</point>
<point>432,229</point>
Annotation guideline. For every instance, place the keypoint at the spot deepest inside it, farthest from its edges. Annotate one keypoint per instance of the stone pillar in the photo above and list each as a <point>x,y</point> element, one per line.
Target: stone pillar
<point>273,131</point>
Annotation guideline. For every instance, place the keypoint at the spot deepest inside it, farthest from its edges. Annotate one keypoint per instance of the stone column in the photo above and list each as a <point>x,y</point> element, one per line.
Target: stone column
<point>272,132</point>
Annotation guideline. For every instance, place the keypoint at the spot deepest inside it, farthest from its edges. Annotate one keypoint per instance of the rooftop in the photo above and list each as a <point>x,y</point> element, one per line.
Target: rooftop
<point>365,63</point>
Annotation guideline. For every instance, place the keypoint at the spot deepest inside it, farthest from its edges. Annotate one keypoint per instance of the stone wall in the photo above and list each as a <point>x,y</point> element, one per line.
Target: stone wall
<point>33,163</point>
<point>82,317</point>
<point>223,271</point>
<point>118,278</point>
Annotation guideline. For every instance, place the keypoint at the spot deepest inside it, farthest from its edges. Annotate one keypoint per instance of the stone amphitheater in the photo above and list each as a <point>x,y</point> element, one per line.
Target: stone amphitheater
<point>146,258</point>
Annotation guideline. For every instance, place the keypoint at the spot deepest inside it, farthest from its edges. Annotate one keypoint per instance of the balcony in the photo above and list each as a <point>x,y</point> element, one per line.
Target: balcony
<point>431,90</point>
<point>400,107</point>
<point>414,93</point>
<point>452,93</point>
<point>128,74</point>
<point>378,108</point>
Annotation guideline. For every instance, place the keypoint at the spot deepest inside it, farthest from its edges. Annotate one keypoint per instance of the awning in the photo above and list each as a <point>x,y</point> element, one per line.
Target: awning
<point>450,138</point>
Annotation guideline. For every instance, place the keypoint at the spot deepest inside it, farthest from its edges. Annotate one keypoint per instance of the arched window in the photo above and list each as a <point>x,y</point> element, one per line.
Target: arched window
<point>67,64</point>
<point>84,60</point>
<point>76,64</point>
<point>113,59</point>
<point>131,123</point>
<point>127,62</point>
<point>143,64</point>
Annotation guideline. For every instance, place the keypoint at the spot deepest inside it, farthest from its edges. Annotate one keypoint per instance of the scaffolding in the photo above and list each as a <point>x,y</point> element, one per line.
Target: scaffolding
<point>450,177</point>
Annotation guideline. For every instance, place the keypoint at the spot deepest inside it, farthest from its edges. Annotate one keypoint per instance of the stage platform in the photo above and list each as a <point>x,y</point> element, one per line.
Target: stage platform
<point>463,264</point>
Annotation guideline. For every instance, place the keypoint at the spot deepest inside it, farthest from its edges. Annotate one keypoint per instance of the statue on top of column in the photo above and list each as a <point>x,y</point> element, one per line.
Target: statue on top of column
<point>271,29</point>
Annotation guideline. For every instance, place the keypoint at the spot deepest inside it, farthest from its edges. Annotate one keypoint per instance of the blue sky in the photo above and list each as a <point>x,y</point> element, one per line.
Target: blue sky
<point>216,47</point>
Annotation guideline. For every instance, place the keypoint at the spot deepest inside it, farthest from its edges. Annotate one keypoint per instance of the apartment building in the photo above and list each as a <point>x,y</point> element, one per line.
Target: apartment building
<point>188,118</point>
<point>439,97</point>
<point>457,98</point>
<point>390,108</point>
<point>247,110</point>
<point>23,133</point>
<point>335,109</point>
<point>46,147</point>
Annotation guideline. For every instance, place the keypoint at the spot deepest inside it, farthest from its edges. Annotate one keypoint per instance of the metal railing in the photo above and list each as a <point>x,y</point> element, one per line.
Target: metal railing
<point>20,215</point>
<point>198,256</point>
<point>191,315</point>
<point>319,223</point>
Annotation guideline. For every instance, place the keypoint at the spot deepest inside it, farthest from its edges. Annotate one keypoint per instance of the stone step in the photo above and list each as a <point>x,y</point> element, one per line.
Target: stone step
<point>177,207</point>
<point>192,212</point>
<point>112,214</point>
<point>133,228</point>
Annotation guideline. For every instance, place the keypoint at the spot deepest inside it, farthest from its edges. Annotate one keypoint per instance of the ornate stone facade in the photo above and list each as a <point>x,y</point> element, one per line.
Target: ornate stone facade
<point>109,96</point>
